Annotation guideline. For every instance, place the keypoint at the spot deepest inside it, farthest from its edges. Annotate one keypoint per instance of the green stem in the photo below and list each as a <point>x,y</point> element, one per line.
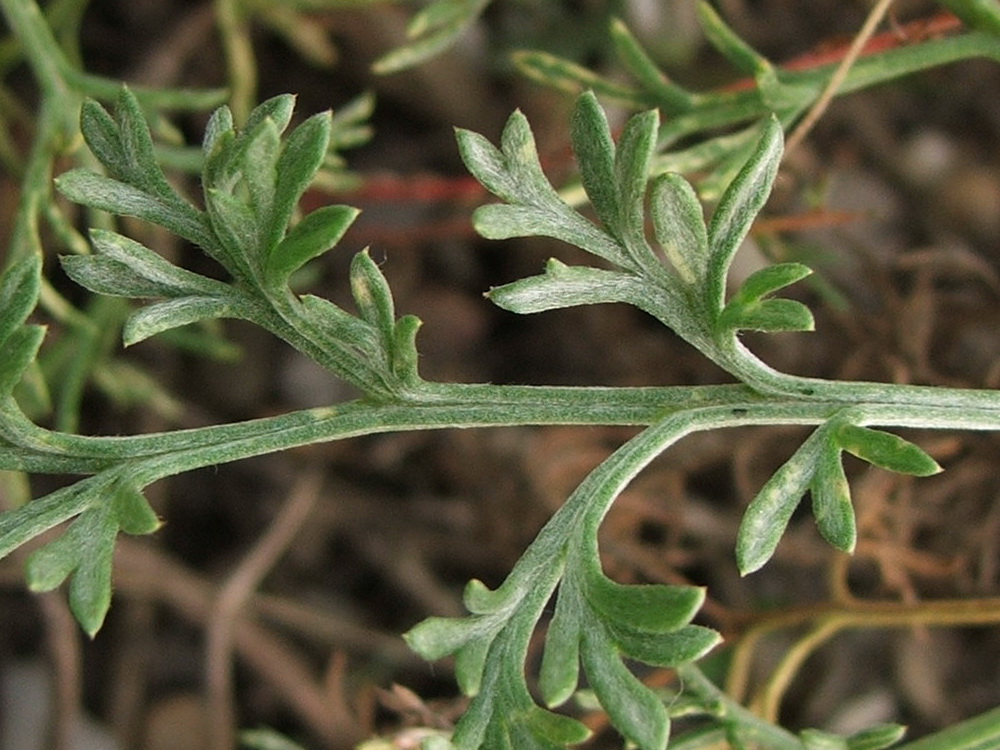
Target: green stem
<point>462,405</point>
<point>744,724</point>
<point>723,109</point>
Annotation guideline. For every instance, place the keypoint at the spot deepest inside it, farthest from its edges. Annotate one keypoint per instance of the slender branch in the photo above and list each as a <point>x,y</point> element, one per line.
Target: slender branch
<point>234,595</point>
<point>839,75</point>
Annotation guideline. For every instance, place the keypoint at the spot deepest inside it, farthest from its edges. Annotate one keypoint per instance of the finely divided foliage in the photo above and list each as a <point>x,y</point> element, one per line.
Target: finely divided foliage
<point>252,179</point>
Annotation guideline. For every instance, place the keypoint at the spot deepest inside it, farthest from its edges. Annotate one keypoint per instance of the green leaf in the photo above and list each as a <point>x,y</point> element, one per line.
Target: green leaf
<point>19,350</point>
<point>470,661</point>
<point>107,194</point>
<point>565,286</point>
<point>404,349</point>
<point>219,124</point>
<point>725,40</point>
<point>983,15</point>
<point>739,205</point>
<point>258,167</point>
<point>831,501</point>
<point>134,513</point>
<point>278,109</point>
<point>886,450</point>
<point>671,649</point>
<point>634,709</point>
<point>632,163</point>
<point>679,226</point>
<point>595,154</point>
<point>105,275</point>
<point>90,586</point>
<point>124,267</point>
<point>479,599</point>
<point>485,162</point>
<point>339,325</point>
<point>561,730</point>
<point>767,516</point>
<point>300,159</point>
<point>501,222</point>
<point>515,175</point>
<point>876,738</point>
<point>86,550</point>
<point>560,669</point>
<point>163,316</point>
<point>615,178</point>
<point>28,521</point>
<point>142,169</point>
<point>770,279</point>
<point>19,289</point>
<point>767,315</point>
<point>437,637</point>
<point>566,76</point>
<point>100,131</point>
<point>310,238</point>
<point>815,739</point>
<point>652,608</point>
<point>670,97</point>
<point>434,29</point>
<point>373,297</point>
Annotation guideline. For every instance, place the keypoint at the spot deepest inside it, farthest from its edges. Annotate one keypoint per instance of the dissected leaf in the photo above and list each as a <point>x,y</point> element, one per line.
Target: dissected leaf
<point>671,649</point>
<point>740,204</point>
<point>501,222</point>
<point>259,169</point>
<point>237,232</point>
<point>278,109</point>
<point>300,159</point>
<point>94,190</point>
<point>219,125</point>
<point>770,279</point>
<point>595,154</point>
<point>437,637</point>
<point>558,729</point>
<point>533,208</point>
<point>886,450</point>
<point>19,288</point>
<point>876,738</point>
<point>767,516</point>
<point>141,166</point>
<point>569,77</point>
<point>632,163</point>
<point>470,660</point>
<point>653,608</point>
<point>815,739</point>
<point>404,354</point>
<point>85,550</point>
<point>19,350</point>
<point>831,501</point>
<point>739,53</point>
<point>560,669</point>
<point>767,315</point>
<point>634,709</point>
<point>372,296</point>
<point>679,226</point>
<point>163,316</point>
<point>100,131</point>
<point>311,237</point>
<point>564,286</point>
<point>124,267</point>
